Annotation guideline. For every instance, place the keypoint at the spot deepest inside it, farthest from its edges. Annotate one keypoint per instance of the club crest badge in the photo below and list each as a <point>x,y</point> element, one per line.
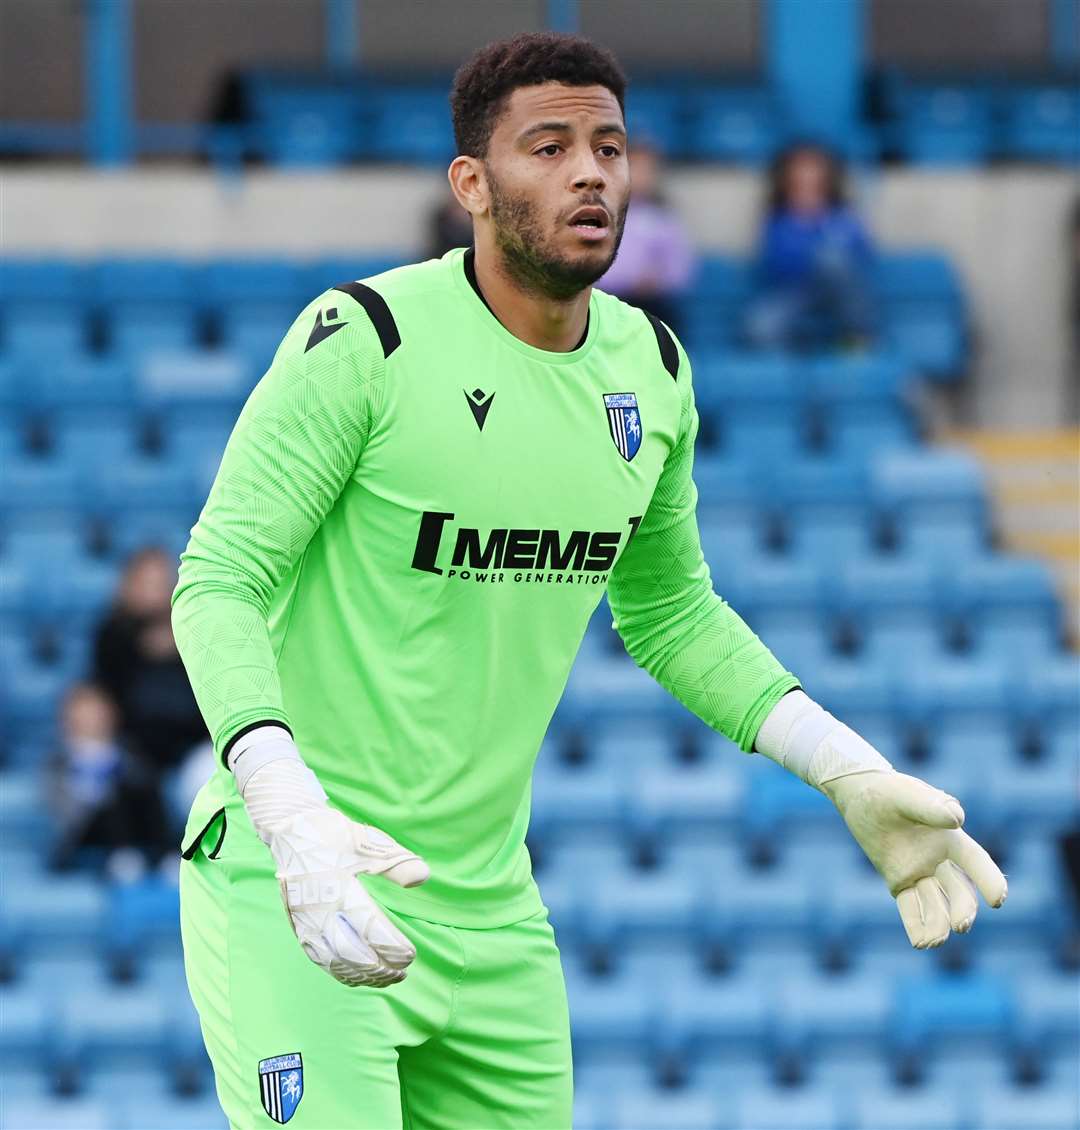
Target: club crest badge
<point>624,421</point>
<point>281,1080</point>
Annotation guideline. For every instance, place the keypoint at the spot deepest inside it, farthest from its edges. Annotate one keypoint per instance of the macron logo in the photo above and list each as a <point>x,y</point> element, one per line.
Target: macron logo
<point>479,404</point>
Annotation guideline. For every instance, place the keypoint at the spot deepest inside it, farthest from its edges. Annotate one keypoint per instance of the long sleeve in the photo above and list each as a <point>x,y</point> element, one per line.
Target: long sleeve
<point>672,622</point>
<point>292,450</point>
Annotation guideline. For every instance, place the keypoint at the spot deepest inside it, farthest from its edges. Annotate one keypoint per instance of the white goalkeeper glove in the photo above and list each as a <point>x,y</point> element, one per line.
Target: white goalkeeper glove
<point>909,830</point>
<point>318,851</point>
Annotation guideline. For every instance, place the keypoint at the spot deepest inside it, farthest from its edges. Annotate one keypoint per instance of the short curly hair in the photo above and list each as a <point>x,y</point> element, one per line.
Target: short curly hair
<point>484,82</point>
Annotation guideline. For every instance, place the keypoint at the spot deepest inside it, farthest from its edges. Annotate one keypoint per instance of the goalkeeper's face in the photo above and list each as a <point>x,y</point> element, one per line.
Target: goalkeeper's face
<point>558,185</point>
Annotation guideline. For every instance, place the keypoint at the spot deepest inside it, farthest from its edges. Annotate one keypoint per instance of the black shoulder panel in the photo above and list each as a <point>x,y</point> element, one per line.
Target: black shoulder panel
<point>377,311</point>
<point>669,354</point>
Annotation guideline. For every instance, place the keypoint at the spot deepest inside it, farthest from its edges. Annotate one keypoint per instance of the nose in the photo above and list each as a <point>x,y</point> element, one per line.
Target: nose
<point>588,173</point>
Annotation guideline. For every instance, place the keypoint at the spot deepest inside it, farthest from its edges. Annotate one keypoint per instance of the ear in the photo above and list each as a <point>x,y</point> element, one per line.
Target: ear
<point>468,184</point>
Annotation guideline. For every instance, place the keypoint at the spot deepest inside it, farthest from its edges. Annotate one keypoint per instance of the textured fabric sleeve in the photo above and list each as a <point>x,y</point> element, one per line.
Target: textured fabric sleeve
<point>672,622</point>
<point>290,454</point>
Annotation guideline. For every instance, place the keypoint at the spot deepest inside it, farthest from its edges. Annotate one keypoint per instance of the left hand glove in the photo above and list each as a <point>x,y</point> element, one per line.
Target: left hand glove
<point>911,832</point>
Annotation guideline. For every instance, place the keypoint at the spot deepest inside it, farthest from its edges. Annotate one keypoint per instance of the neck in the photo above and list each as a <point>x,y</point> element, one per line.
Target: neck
<point>554,324</point>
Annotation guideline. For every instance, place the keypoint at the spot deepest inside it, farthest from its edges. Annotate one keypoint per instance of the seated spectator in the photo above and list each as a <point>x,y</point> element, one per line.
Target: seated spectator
<point>100,796</point>
<point>136,661</point>
<point>813,271</point>
<point>655,262</point>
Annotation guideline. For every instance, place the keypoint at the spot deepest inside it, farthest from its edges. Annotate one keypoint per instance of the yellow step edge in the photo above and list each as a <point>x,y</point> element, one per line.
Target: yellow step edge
<point>1058,443</point>
<point>1037,492</point>
<point>1053,545</point>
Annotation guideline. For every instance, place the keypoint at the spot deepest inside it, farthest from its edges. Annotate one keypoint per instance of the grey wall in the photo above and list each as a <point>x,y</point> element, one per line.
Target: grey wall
<point>942,33</point>
<point>41,60</point>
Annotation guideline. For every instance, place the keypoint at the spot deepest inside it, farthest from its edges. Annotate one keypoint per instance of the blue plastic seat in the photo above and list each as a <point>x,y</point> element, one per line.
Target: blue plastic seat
<point>1015,1108</point>
<point>687,1109</point>
<point>734,124</point>
<point>608,1012</point>
<point>254,329</point>
<point>892,604</point>
<point>931,336</point>
<point>143,280</point>
<point>32,911</point>
<point>114,1024</point>
<point>1009,605</point>
<point>256,280</point>
<point>657,113</point>
<point>82,435</point>
<point>826,507</point>
<point>945,125</point>
<point>1042,123</point>
<point>781,594</point>
<point>936,500</point>
<point>969,1007</point>
<point>58,1114</point>
<point>140,328</point>
<point>33,330</point>
<point>917,274</point>
<point>666,802</point>
<point>84,382</point>
<point>584,795</point>
<point>936,1108</point>
<point>38,279</point>
<point>410,124</point>
<point>807,1108</point>
<point>194,385</point>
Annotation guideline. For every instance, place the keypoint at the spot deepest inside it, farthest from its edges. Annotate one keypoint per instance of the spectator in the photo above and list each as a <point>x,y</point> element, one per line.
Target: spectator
<point>655,261</point>
<point>136,661</point>
<point>100,796</point>
<point>449,226</point>
<point>813,278</point>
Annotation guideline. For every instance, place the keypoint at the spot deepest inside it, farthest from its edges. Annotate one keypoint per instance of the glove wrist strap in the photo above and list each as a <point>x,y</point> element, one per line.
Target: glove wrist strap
<point>811,743</point>
<point>272,778</point>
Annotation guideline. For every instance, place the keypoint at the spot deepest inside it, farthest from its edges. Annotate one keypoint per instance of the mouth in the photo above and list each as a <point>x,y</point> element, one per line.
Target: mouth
<point>591,224</point>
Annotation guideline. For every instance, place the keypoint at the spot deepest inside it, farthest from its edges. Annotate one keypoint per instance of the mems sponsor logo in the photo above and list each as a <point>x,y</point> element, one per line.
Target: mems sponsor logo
<point>521,556</point>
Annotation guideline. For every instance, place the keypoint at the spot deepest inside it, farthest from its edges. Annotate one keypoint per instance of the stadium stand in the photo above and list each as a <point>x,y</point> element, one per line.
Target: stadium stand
<point>874,574</point>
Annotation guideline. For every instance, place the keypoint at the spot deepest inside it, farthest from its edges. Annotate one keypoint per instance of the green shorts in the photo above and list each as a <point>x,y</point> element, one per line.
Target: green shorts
<point>476,1036</point>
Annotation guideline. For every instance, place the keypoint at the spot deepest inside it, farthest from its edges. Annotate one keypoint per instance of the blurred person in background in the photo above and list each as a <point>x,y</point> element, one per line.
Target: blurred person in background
<point>813,285</point>
<point>101,796</point>
<point>136,661</point>
<point>449,226</point>
<point>656,261</point>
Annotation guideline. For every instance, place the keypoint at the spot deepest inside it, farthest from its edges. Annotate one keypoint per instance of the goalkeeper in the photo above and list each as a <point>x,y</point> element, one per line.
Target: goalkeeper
<point>415,516</point>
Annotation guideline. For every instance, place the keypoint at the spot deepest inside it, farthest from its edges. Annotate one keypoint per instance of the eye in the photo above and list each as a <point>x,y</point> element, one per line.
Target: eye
<point>551,145</point>
<point>610,150</point>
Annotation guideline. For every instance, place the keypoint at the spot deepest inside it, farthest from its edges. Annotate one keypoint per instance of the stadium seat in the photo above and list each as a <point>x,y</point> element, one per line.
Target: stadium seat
<point>937,1108</point>
<point>140,329</point>
<point>254,329</point>
<point>658,113</point>
<point>733,124</point>
<point>1026,1109</point>
<point>890,604</point>
<point>410,123</point>
<point>800,1109</point>
<point>690,1109</point>
<point>969,1008</point>
<point>944,125</point>
<point>936,501</point>
<point>58,1114</point>
<point>33,330</point>
<point>824,504</point>
<point>257,280</point>
<point>1042,123</point>
<point>1008,605</point>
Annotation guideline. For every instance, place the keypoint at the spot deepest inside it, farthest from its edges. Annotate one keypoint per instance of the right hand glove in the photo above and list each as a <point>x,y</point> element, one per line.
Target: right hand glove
<point>338,924</point>
<point>319,851</point>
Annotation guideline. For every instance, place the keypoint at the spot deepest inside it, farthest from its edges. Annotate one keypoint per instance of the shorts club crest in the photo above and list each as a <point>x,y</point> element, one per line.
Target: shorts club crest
<point>624,420</point>
<point>281,1081</point>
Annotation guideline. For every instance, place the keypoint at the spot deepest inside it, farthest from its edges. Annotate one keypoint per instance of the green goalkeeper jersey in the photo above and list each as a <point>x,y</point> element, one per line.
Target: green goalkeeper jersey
<point>414,518</point>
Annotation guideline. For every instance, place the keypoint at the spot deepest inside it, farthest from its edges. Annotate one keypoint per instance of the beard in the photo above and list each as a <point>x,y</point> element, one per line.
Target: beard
<point>529,257</point>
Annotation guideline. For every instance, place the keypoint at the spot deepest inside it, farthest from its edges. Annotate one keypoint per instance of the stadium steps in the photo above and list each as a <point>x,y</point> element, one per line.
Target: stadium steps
<point>1035,479</point>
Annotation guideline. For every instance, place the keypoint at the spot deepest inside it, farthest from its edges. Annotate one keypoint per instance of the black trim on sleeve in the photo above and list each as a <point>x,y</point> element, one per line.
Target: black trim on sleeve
<point>247,730</point>
<point>377,310</point>
<point>669,354</point>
